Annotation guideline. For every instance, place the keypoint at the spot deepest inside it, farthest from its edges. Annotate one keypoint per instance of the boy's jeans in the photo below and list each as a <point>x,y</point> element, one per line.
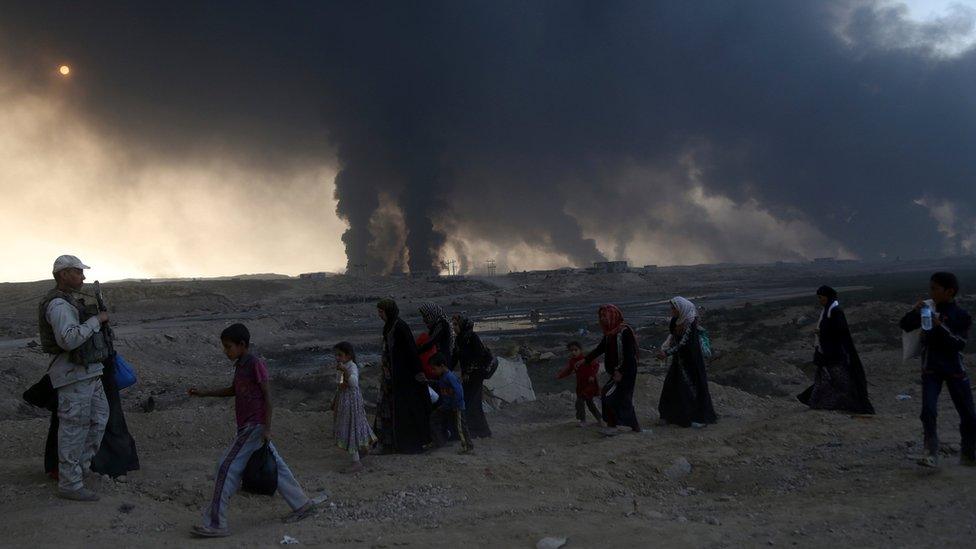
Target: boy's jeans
<point>231,467</point>
<point>962,398</point>
<point>441,419</point>
<point>82,415</point>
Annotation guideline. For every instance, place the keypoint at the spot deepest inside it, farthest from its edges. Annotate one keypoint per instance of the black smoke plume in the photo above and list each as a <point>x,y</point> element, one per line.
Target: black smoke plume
<point>577,128</point>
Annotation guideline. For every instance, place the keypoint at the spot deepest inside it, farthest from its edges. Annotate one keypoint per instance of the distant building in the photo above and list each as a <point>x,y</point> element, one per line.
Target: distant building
<point>313,276</point>
<point>611,267</point>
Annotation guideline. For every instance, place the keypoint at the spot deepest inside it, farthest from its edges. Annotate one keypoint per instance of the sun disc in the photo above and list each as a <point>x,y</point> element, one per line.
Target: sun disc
<point>64,70</point>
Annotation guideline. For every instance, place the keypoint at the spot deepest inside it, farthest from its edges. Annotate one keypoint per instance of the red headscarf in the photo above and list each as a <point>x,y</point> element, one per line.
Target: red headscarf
<point>611,319</point>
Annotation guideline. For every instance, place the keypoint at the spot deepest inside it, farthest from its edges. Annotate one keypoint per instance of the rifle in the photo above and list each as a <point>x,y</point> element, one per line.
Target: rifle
<point>109,336</point>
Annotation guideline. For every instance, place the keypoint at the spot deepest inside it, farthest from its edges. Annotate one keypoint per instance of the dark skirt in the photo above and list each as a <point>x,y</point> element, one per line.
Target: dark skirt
<point>411,417</point>
<point>474,412</point>
<point>617,400</point>
<point>831,389</point>
<point>402,416</point>
<point>836,387</point>
<point>685,398</point>
<point>383,424</point>
<point>117,454</point>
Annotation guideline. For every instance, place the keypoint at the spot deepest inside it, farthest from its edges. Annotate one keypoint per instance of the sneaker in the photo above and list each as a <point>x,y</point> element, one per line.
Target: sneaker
<point>81,494</point>
<point>466,450</point>
<point>301,513</point>
<point>696,425</point>
<point>208,532</point>
<point>928,461</point>
<point>609,431</point>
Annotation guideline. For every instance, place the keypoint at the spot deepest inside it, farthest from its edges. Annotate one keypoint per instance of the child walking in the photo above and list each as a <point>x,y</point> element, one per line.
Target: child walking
<point>252,405</point>
<point>943,338</point>
<point>352,431</point>
<point>587,387</point>
<point>449,410</point>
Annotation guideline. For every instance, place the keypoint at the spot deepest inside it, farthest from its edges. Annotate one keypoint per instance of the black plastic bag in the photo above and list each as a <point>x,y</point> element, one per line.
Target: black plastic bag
<point>42,394</point>
<point>492,367</point>
<point>261,472</point>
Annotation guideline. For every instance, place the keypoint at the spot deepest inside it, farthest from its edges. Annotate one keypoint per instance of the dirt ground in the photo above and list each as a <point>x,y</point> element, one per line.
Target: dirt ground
<point>770,473</point>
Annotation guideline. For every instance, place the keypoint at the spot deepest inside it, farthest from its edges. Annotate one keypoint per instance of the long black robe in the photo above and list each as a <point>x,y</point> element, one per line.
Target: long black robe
<point>403,413</point>
<point>685,398</point>
<point>474,358</point>
<point>839,382</point>
<point>117,454</point>
<point>618,396</point>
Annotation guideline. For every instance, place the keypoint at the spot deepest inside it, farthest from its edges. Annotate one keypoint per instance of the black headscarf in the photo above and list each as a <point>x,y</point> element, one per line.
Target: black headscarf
<point>389,306</point>
<point>829,293</point>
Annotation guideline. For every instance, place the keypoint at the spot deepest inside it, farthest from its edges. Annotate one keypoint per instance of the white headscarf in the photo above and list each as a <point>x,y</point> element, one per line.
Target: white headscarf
<point>828,310</point>
<point>687,313</point>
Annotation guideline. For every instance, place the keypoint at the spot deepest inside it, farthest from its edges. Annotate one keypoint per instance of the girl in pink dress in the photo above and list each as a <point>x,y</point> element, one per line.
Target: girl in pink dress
<point>352,431</point>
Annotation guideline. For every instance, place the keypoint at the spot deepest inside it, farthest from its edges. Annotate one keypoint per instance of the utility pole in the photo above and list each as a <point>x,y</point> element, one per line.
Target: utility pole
<point>361,267</point>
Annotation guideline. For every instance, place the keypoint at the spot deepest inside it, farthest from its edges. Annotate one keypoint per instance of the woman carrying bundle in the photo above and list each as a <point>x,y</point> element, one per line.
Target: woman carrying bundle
<point>439,332</point>
<point>839,383</point>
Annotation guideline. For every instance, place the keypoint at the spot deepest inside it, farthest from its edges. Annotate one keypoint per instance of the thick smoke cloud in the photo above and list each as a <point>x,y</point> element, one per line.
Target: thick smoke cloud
<point>677,131</point>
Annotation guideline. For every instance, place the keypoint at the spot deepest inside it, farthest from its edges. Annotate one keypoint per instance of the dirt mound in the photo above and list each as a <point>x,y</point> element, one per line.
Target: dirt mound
<point>756,373</point>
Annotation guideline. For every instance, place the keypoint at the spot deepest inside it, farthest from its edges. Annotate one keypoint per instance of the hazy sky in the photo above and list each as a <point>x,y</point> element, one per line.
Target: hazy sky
<point>191,140</point>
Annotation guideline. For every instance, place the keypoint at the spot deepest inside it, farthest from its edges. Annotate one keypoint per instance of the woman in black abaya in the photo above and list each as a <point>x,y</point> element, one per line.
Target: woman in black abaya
<point>403,412</point>
<point>619,347</point>
<point>685,400</point>
<point>839,382</point>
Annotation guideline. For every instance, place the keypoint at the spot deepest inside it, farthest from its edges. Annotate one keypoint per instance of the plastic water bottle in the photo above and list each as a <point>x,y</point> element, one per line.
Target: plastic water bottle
<point>926,313</point>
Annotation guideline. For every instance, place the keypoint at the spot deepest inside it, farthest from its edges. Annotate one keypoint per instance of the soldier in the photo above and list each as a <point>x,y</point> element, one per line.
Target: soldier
<point>72,332</point>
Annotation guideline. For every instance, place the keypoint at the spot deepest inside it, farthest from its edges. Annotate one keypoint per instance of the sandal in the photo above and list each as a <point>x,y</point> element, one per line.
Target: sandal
<point>301,513</point>
<point>208,532</point>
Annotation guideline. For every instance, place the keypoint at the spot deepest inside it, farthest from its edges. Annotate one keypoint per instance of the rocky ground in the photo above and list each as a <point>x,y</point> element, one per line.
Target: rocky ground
<point>770,473</point>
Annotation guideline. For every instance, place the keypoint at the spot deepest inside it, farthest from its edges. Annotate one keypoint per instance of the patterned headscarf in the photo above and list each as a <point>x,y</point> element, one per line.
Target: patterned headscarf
<point>687,312</point>
<point>465,326</point>
<point>432,314</point>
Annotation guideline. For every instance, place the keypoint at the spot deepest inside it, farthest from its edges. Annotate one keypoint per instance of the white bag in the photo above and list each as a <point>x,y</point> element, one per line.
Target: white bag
<point>911,342</point>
